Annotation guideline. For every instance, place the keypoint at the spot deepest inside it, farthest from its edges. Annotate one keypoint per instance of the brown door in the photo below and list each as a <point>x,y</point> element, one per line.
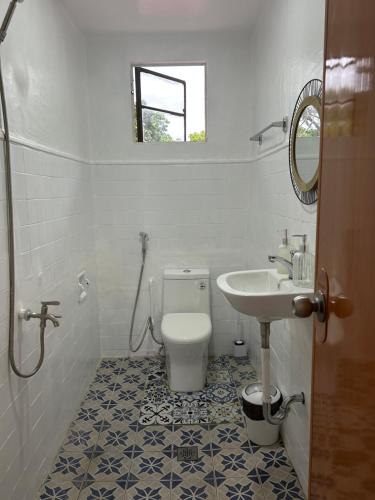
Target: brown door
<point>343,403</point>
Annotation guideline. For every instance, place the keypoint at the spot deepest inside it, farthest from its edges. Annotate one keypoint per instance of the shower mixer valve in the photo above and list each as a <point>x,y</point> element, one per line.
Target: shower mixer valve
<point>44,315</point>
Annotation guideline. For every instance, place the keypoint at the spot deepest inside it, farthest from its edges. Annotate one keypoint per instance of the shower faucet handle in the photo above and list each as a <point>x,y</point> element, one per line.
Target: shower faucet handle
<point>46,303</point>
<point>45,315</point>
<point>50,303</point>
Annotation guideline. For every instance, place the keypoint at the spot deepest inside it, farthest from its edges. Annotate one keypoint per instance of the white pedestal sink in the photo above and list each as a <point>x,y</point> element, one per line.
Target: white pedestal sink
<point>263,293</point>
<point>266,295</point>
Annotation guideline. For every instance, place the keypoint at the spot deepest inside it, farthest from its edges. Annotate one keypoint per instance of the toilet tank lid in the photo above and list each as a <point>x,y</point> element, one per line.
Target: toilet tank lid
<point>186,274</point>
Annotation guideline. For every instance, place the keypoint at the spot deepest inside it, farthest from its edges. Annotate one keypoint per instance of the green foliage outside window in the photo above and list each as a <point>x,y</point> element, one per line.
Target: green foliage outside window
<point>198,136</point>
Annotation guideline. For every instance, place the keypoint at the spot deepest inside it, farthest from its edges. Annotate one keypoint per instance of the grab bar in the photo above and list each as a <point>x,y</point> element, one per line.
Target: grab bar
<point>281,124</point>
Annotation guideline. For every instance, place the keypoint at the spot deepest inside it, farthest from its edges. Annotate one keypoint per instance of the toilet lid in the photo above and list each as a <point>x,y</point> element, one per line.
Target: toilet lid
<point>186,328</point>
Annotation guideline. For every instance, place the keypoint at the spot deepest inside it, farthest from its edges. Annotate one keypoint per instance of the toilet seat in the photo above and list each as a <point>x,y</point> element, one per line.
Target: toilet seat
<point>186,328</point>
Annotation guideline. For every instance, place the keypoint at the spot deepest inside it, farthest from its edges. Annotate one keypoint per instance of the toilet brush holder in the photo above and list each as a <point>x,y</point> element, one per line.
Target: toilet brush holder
<point>239,349</point>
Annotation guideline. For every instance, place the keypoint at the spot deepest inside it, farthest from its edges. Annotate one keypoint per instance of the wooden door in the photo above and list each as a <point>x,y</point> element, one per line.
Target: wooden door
<point>343,403</point>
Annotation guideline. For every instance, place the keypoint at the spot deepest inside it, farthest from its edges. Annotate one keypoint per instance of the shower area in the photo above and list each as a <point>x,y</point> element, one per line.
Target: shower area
<point>90,218</point>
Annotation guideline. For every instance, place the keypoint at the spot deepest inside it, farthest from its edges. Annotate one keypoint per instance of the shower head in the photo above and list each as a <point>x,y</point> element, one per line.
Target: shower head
<point>8,18</point>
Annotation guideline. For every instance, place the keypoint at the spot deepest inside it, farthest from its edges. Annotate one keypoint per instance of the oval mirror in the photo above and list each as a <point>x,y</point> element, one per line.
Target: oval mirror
<point>304,142</point>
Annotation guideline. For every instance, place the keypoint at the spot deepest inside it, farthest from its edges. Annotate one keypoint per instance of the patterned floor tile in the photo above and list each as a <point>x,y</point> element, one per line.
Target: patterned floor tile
<point>96,395</point>
<point>221,393</point>
<point>153,438</point>
<point>190,396</point>
<point>163,406</point>
<point>116,438</point>
<point>109,466</point>
<point>218,363</point>
<point>192,435</point>
<point>194,489</point>
<point>137,362</point>
<point>243,378</point>
<point>121,415</point>
<point>149,466</point>
<point>229,435</point>
<point>123,441</point>
<point>91,412</point>
<point>161,414</point>
<point>127,396</point>
<point>132,379</point>
<point>69,466</point>
<point>226,412</point>
<point>103,380</point>
<point>58,490</point>
<point>218,377</point>
<point>239,489</point>
<point>80,437</point>
<point>148,490</point>
<point>108,365</point>
<point>158,393</point>
<point>190,412</point>
<point>276,463</point>
<point>199,468</point>
<point>102,491</point>
<point>234,462</point>
<point>283,490</point>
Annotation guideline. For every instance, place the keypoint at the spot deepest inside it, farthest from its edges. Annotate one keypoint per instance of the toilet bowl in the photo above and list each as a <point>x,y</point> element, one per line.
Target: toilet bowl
<point>186,327</point>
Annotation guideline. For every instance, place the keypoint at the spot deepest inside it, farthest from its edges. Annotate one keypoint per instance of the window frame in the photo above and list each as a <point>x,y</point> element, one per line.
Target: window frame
<point>140,107</point>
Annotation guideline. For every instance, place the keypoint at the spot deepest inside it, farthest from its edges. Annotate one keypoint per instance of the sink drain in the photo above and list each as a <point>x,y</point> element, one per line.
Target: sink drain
<point>187,453</point>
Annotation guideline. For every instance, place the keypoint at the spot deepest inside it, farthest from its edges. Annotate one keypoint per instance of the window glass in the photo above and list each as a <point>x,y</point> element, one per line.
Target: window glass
<point>160,92</point>
<point>169,103</point>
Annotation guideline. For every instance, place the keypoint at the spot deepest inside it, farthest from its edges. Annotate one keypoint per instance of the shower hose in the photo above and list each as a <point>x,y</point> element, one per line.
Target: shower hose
<point>11,246</point>
<point>149,324</point>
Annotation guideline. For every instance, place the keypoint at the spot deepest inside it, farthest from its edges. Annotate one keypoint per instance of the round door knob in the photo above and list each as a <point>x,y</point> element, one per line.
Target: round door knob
<point>304,306</point>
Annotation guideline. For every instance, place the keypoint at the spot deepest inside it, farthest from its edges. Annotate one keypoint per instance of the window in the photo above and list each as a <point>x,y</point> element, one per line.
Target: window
<point>169,103</point>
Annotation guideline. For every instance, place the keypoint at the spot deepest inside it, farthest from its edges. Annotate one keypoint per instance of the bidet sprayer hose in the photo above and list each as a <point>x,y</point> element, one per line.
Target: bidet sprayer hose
<point>149,324</point>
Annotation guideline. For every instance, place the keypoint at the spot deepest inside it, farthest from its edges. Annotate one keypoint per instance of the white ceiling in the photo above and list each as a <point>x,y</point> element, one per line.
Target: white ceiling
<point>118,16</point>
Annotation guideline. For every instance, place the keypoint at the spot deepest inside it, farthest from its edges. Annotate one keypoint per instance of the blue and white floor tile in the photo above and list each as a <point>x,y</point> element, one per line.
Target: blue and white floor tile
<point>217,402</point>
<point>122,445</point>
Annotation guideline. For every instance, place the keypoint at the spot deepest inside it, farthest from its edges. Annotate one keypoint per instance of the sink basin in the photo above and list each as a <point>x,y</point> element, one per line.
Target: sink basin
<point>264,293</point>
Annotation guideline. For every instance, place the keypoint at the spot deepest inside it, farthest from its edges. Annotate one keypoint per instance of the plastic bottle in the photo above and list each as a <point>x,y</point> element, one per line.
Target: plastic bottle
<point>284,252</point>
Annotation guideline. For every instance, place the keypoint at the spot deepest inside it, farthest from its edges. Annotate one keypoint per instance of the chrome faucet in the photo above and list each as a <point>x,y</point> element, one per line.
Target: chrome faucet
<point>286,263</point>
<point>44,315</point>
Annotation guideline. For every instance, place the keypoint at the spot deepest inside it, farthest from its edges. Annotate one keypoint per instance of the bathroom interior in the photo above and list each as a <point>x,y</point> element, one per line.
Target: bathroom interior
<point>127,244</point>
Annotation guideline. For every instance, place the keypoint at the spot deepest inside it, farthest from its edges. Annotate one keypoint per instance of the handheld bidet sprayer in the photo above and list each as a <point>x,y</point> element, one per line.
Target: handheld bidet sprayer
<point>144,239</point>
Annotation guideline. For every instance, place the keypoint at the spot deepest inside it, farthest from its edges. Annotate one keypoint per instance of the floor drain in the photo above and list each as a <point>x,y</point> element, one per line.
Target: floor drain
<point>187,454</point>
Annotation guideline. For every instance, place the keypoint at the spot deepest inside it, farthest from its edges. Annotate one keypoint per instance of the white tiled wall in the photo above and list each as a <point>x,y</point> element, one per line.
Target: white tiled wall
<point>285,61</point>
<point>45,78</point>
<point>191,200</point>
<point>196,215</point>
<point>55,241</point>
<point>229,86</point>
<point>274,206</point>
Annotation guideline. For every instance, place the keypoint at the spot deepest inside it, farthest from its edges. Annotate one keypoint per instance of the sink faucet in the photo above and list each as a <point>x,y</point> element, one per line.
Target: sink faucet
<point>286,263</point>
<point>44,315</point>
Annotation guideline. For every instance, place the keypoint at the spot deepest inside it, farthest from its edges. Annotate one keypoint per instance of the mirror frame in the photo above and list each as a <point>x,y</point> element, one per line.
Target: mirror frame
<point>311,95</point>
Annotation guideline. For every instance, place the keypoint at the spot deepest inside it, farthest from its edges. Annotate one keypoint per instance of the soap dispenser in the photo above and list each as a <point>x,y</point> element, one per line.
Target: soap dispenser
<point>301,263</point>
<point>284,252</point>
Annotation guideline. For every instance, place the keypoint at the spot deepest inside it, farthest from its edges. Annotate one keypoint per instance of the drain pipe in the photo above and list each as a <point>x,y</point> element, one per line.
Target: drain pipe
<point>282,413</point>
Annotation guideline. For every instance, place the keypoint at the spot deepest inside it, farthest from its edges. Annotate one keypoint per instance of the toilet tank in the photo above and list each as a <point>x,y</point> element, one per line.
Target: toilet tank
<point>186,290</point>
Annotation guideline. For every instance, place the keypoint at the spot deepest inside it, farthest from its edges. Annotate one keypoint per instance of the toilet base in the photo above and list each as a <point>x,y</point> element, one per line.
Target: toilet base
<point>187,372</point>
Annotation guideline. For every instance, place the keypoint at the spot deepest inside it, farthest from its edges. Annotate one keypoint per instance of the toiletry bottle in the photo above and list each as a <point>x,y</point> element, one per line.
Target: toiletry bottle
<point>300,262</point>
<point>283,251</point>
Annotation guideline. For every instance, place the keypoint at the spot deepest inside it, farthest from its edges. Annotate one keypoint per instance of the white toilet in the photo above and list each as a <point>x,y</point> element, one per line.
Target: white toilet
<point>186,327</point>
